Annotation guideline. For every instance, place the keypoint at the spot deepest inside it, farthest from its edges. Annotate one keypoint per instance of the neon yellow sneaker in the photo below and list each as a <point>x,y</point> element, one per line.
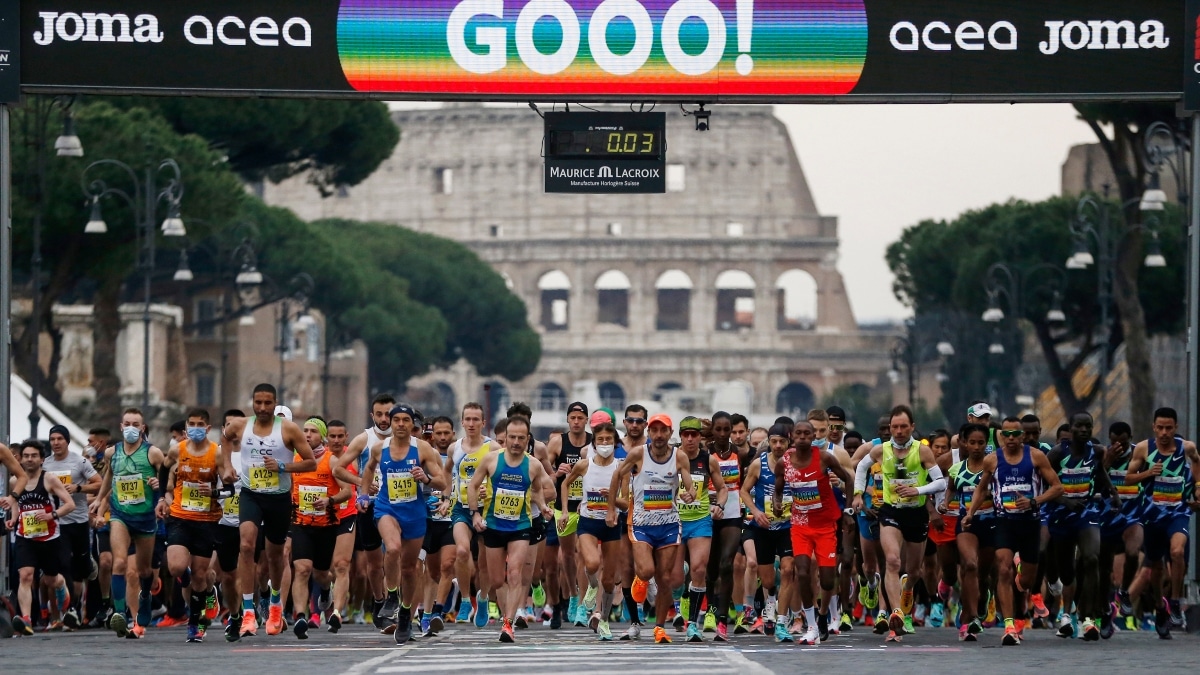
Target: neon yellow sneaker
<point>710,622</point>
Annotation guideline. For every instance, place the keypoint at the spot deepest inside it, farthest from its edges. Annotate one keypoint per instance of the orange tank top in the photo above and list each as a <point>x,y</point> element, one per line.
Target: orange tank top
<point>308,488</point>
<point>193,472</point>
<point>349,507</point>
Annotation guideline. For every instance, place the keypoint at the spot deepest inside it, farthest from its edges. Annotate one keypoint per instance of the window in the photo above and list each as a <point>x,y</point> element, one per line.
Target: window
<point>443,181</point>
<point>675,178</point>
<point>206,386</point>
<point>735,300</point>
<point>206,314</point>
<point>614,229</point>
<point>495,231</point>
<point>612,298</point>
<point>674,295</point>
<point>314,342</point>
<point>555,290</point>
<point>734,229</point>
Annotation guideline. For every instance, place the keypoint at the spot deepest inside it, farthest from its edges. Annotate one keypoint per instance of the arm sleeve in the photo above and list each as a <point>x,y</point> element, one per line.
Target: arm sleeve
<point>861,472</point>
<point>937,482</point>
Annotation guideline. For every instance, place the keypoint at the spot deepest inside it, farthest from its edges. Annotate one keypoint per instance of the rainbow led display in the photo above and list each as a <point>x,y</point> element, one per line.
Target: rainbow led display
<point>609,47</point>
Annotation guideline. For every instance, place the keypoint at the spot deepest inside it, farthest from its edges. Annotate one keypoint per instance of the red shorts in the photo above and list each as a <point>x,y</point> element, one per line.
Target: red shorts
<point>945,535</point>
<point>816,541</point>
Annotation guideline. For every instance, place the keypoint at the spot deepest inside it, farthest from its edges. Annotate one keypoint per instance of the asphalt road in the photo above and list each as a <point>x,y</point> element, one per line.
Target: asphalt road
<point>360,650</point>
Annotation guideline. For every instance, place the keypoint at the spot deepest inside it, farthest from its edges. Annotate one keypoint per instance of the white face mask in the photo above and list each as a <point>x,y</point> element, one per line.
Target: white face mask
<point>605,450</point>
<point>384,433</point>
<point>905,446</point>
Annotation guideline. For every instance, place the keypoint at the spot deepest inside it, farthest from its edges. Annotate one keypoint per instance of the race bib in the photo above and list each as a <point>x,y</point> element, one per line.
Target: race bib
<point>1168,490</point>
<point>63,477</point>
<point>131,489</point>
<point>806,496</point>
<point>1076,482</point>
<point>575,490</point>
<point>263,479</point>
<point>1010,493</point>
<point>32,527</point>
<point>310,495</point>
<point>192,500</point>
<point>597,500</point>
<point>905,501</point>
<point>784,510</point>
<point>402,487</point>
<point>658,497</point>
<point>508,504</point>
<point>231,505</point>
<point>698,480</point>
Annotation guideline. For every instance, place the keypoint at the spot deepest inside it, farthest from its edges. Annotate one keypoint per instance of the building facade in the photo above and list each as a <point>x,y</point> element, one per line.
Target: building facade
<point>725,287</point>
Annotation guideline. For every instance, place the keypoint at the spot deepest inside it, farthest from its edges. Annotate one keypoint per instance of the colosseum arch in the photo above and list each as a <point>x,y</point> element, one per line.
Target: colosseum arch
<point>612,396</point>
<point>674,294</point>
<point>796,301</point>
<point>549,396</point>
<point>555,290</point>
<point>735,300</point>
<point>612,298</point>
<point>795,399</point>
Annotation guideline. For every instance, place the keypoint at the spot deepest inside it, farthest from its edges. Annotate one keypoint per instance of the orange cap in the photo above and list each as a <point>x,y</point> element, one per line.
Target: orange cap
<point>660,418</point>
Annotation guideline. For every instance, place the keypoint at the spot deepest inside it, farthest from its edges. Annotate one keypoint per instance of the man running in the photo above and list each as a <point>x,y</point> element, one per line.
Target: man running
<point>657,471</point>
<point>564,451</point>
<point>635,420</point>
<point>1122,532</point>
<point>910,473</point>
<point>439,536</point>
<point>80,479</point>
<point>269,446</point>
<point>409,467</point>
<point>772,528</point>
<point>128,493</point>
<point>515,480</point>
<point>696,526</point>
<point>1019,480</point>
<point>462,462</point>
<point>40,506</point>
<point>191,509</point>
<point>347,515</point>
<point>727,528</point>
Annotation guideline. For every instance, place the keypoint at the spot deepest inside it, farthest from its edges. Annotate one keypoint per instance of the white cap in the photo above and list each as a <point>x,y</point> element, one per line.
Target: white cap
<point>980,410</point>
<point>284,412</point>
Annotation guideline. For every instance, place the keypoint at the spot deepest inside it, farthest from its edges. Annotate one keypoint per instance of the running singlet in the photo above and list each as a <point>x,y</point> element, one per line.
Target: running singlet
<point>509,508</point>
<point>309,488</point>
<point>1076,475</point>
<point>348,508</point>
<point>1013,481</point>
<point>373,440</point>
<point>699,508</point>
<point>596,483</point>
<point>731,472</point>
<point>465,464</point>
<point>401,495</point>
<point>192,474</point>
<point>1170,492</point>
<point>32,501</point>
<point>964,481</point>
<point>255,475</point>
<point>569,454</point>
<point>653,490</point>
<point>764,495</point>
<point>897,472</point>
<point>813,503</point>
<point>131,474</point>
<point>1134,505</point>
<point>873,495</point>
<point>434,500</point>
<point>231,504</point>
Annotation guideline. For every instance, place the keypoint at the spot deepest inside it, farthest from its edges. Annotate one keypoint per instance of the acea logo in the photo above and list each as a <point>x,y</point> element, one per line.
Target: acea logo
<point>603,47</point>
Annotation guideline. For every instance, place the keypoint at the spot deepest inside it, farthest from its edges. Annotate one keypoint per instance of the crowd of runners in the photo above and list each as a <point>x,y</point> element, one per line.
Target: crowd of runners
<point>693,529</point>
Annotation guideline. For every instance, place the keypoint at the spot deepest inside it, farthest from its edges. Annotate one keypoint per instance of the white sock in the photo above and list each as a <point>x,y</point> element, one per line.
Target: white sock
<point>810,614</point>
<point>835,608</point>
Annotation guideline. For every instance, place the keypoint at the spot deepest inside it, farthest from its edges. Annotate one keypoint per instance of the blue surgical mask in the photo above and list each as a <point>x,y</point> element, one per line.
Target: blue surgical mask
<point>820,443</point>
<point>131,434</point>
<point>197,434</point>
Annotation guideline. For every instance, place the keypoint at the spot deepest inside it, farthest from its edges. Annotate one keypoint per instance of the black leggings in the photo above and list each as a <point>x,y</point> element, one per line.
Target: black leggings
<point>727,536</point>
<point>1079,556</point>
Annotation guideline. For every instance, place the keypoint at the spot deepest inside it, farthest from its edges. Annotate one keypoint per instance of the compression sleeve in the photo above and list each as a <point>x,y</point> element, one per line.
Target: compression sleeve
<point>861,472</point>
<point>937,482</point>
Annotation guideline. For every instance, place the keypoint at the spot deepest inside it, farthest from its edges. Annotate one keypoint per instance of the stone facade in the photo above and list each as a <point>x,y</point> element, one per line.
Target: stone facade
<point>729,277</point>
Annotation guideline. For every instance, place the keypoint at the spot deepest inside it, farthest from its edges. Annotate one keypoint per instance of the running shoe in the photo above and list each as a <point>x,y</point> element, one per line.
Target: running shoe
<point>918,615</point>
<point>965,634</point>
<point>769,611</point>
<point>846,624</point>
<point>1125,603</point>
<point>758,628</point>
<point>741,624</point>
<point>136,632</point>
<point>944,590</point>
<point>1089,631</point>
<point>604,632</point>
<point>493,611</point>
<point>594,621</point>
<point>710,622</point>
<point>212,606</point>
<point>335,622</point>
<point>1010,639</point>
<point>639,590</point>
<point>70,619</point>
<point>937,615</point>
<point>895,622</point>
<point>464,612</point>
<point>437,624</point>
<point>249,624</point>
<point>782,634</point>
<point>387,612</point>
<point>233,631</point>
<point>906,595</point>
<point>589,597</point>
<point>871,601</point>
<point>555,618</point>
<point>975,627</point>
<point>573,610</point>
<point>881,623</point>
<point>481,615</point>
<point>170,622</point>
<point>1040,610</point>
<point>1065,628</point>
<point>1162,623</point>
<point>693,633</point>
<point>797,627</point>
<point>661,637</point>
<point>300,628</point>
<point>908,625</point>
<point>892,636</point>
<point>634,632</point>
<point>823,627</point>
<point>722,632</point>
<point>539,595</point>
<point>581,616</point>
<point>274,619</point>
<point>1108,623</point>
<point>425,623</point>
<point>811,637</point>
<point>1177,618</point>
<point>506,632</point>
<point>22,625</point>
<point>194,634</point>
<point>989,619</point>
<point>118,623</point>
<point>403,625</point>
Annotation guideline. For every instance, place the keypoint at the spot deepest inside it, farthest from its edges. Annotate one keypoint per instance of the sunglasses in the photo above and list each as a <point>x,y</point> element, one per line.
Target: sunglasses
<point>688,434</point>
<point>634,420</point>
<point>837,427</point>
<point>1011,433</point>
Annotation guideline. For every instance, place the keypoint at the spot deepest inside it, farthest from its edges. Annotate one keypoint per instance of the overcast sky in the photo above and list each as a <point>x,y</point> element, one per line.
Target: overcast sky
<point>881,168</point>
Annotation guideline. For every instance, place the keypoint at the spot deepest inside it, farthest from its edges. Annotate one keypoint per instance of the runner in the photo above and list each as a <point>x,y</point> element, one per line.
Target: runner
<point>80,479</point>
<point>1121,533</point>
<point>941,570</point>
<point>1074,523</point>
<point>1168,466</point>
<point>191,508</point>
<point>696,527</point>
<point>635,420</point>
<point>439,537</point>
<point>815,518</point>
<point>128,494</point>
<point>228,539</point>
<point>408,468</point>
<point>1025,480</point>
<point>347,516</point>
<point>727,526</point>
<point>657,471</point>
<point>564,450</point>
<point>266,443</point>
<point>849,525</point>
<point>314,531</point>
<point>512,479</point>
<point>771,529</point>
<point>599,543</point>
<point>40,505</point>
<point>461,463</point>
<point>828,619</point>
<point>975,538</point>
<point>910,473</point>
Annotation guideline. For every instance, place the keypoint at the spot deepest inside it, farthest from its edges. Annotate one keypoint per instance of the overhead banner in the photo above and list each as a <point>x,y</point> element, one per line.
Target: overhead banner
<point>608,50</point>
<point>10,53</point>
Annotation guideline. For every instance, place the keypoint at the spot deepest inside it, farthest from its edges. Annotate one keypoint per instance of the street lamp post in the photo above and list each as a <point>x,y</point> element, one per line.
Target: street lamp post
<point>302,286</point>
<point>904,350</point>
<point>66,145</point>
<point>144,202</point>
<point>1093,224</point>
<point>1017,286</point>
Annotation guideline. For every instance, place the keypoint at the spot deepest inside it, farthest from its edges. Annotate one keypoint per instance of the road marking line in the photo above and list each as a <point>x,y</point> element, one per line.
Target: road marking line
<point>743,665</point>
<point>369,664</point>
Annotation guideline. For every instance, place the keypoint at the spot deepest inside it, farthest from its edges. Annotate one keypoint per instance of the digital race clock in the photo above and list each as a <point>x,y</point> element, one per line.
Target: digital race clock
<point>605,152</point>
